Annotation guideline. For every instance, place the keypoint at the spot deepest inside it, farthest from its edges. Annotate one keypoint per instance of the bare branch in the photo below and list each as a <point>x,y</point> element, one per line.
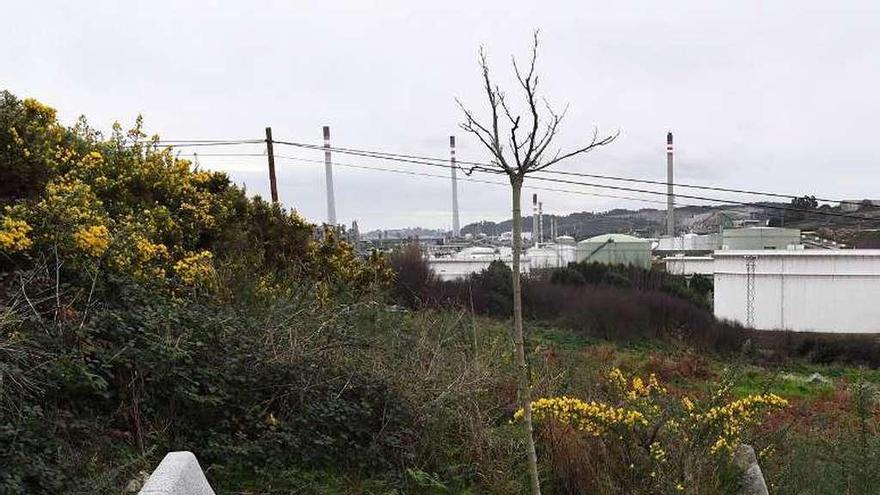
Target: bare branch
<point>595,143</point>
<point>514,126</point>
<point>550,132</point>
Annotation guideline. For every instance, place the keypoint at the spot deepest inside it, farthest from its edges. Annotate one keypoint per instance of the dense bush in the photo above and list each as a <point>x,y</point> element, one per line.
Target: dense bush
<point>146,305</point>
<point>413,276</point>
<point>236,381</point>
<point>126,206</point>
<point>633,277</point>
<point>628,315</point>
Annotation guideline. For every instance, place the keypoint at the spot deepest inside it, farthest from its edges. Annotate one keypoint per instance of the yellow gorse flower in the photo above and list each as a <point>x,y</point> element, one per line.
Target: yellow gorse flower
<point>92,240</point>
<point>14,235</point>
<point>734,417</point>
<point>196,268</point>
<point>591,417</point>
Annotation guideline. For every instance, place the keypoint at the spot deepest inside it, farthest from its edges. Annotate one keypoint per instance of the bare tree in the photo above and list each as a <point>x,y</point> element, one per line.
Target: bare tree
<point>519,146</point>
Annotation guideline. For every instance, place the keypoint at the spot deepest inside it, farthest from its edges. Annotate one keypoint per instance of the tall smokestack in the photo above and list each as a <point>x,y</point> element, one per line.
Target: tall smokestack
<point>535,219</point>
<point>540,221</point>
<point>328,170</point>
<point>670,198</point>
<point>455,225</point>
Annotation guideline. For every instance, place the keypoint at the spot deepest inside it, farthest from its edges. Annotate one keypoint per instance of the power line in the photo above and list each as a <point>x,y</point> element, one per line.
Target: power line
<point>485,168</point>
<point>470,179</point>
<point>704,198</point>
<point>387,155</point>
<point>183,142</point>
<point>423,174</point>
<point>196,143</point>
<point>482,168</point>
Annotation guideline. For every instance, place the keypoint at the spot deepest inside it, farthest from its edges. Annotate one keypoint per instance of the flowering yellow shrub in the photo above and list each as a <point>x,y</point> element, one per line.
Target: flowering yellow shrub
<point>593,417</point>
<point>14,235</point>
<point>36,107</point>
<point>92,240</point>
<point>147,251</point>
<point>733,418</point>
<point>664,443</point>
<point>195,268</point>
<point>127,205</point>
<point>335,260</point>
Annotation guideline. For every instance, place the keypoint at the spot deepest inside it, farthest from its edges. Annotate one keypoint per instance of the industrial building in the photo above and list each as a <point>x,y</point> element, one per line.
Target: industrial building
<point>732,239</point>
<point>615,249</point>
<point>473,260</point>
<point>690,243</point>
<point>754,238</point>
<point>801,290</point>
<point>555,255</point>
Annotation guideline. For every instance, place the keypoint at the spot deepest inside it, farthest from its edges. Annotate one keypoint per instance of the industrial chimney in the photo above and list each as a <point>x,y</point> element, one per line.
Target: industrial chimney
<point>455,225</point>
<point>535,219</point>
<point>670,198</point>
<point>328,169</point>
<point>540,221</point>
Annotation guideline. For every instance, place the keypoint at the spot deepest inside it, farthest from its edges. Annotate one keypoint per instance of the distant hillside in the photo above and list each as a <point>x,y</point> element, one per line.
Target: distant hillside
<point>651,222</point>
<point>648,222</point>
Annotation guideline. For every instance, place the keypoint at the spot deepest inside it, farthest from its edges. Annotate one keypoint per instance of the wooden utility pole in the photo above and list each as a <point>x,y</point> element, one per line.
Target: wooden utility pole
<point>273,185</point>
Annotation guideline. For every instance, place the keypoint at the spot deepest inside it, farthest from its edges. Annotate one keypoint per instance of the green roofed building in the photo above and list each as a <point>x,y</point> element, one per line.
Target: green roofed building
<point>615,249</point>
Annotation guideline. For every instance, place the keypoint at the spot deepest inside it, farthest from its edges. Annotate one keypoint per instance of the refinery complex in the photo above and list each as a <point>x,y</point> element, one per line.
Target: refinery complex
<point>765,277</point>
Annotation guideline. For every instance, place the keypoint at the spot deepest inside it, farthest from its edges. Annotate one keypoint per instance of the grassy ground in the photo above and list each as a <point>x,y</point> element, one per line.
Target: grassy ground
<point>813,447</point>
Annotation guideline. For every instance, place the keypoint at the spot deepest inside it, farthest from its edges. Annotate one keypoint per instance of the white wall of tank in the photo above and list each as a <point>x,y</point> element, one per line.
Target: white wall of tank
<point>825,291</point>
<point>473,260</point>
<point>552,255</point>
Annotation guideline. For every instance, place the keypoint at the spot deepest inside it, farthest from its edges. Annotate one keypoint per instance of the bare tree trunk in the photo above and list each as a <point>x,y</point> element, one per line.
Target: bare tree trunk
<point>525,387</point>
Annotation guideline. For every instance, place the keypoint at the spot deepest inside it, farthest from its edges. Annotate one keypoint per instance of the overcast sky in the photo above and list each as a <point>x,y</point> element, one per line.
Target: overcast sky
<point>767,95</point>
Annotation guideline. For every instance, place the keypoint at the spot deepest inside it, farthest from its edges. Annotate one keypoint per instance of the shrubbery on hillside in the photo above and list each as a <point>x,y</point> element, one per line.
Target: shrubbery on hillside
<point>147,305</point>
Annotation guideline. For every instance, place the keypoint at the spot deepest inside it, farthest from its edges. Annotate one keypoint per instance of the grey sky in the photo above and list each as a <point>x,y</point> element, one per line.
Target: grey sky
<point>760,94</point>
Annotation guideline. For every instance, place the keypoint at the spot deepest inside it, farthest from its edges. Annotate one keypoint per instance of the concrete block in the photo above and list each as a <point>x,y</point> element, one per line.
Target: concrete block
<point>179,473</point>
<point>752,480</point>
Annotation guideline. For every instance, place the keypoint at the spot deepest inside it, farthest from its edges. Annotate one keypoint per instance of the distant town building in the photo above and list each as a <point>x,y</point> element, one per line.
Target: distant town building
<point>508,236</point>
<point>851,205</point>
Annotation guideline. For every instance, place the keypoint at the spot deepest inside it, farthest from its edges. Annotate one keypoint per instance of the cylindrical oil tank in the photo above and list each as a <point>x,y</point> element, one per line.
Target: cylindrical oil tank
<point>615,249</point>
<point>803,290</point>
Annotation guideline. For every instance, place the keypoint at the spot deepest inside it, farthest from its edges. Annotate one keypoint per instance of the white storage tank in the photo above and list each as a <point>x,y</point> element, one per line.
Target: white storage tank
<point>802,290</point>
<point>473,260</point>
<point>615,249</point>
<point>552,255</point>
